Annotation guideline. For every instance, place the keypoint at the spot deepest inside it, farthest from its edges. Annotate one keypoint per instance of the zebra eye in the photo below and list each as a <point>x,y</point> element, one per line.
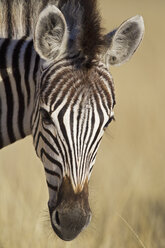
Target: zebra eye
<point>46,118</point>
<point>112,118</point>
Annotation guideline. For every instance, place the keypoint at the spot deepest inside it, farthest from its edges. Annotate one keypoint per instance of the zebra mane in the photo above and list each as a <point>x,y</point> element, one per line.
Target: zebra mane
<point>84,23</point>
<point>18,17</point>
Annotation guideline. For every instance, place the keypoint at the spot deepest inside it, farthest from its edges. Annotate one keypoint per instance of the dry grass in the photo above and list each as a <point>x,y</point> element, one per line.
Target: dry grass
<point>128,182</point>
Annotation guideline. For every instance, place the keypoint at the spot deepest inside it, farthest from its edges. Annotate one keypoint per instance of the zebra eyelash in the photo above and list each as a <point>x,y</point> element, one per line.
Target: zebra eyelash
<point>46,118</point>
<point>112,118</point>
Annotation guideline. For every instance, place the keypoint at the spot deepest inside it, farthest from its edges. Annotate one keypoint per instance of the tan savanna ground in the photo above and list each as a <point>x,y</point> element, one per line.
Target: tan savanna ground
<point>127,188</point>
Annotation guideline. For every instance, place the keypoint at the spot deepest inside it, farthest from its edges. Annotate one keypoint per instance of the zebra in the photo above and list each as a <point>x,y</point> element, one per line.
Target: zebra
<point>56,85</point>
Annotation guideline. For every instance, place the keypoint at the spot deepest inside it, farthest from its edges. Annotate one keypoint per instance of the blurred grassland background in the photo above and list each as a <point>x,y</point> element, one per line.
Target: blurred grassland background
<point>127,187</point>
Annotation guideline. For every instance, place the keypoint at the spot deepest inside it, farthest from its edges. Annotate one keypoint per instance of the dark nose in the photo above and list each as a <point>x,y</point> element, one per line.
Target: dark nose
<point>69,220</point>
<point>72,213</point>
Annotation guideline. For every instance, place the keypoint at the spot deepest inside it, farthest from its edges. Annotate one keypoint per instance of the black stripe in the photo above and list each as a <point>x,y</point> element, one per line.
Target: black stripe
<point>27,62</point>
<point>108,79</point>
<point>64,132</point>
<point>100,125</point>
<point>76,99</point>
<point>27,18</point>
<point>8,89</point>
<point>53,173</point>
<point>65,160</point>
<point>37,119</point>
<point>67,62</point>
<point>91,169</point>
<point>55,188</point>
<point>35,114</point>
<point>80,131</point>
<point>61,75</point>
<point>94,153</point>
<point>64,89</point>
<point>37,60</point>
<point>93,156</point>
<point>84,137</point>
<point>44,74</point>
<point>40,135</point>
<point>52,160</point>
<point>72,135</point>
<point>17,77</point>
<point>89,147</point>
<point>56,142</point>
<point>55,72</point>
<point>78,125</point>
<point>63,79</point>
<point>103,93</point>
<point>9,19</point>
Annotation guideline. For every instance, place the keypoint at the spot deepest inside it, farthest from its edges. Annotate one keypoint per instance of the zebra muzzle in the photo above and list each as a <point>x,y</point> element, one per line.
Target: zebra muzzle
<point>72,212</point>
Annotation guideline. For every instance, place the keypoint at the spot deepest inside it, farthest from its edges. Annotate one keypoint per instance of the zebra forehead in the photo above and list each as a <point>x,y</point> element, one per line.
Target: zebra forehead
<point>94,84</point>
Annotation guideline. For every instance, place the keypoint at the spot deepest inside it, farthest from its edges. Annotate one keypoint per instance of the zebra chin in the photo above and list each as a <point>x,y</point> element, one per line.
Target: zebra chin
<point>71,214</point>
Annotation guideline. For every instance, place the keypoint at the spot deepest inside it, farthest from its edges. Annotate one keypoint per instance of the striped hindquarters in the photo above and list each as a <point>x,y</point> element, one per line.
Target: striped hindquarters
<point>18,70</point>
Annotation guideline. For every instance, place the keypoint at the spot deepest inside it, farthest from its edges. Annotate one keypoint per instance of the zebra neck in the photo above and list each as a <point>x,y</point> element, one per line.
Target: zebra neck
<point>19,67</point>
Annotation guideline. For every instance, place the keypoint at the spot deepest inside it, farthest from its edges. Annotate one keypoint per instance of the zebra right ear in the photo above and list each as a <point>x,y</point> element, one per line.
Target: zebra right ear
<point>123,42</point>
<point>50,36</point>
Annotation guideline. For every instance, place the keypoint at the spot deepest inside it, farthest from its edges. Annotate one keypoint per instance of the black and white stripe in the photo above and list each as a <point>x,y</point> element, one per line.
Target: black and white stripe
<point>17,88</point>
<point>78,101</point>
<point>79,109</point>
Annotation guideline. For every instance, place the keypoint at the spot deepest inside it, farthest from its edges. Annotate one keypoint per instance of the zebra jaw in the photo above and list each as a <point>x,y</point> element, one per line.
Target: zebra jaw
<point>72,213</point>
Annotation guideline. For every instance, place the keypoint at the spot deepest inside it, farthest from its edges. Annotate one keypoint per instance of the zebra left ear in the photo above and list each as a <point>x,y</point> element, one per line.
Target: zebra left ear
<point>50,36</point>
<point>123,42</point>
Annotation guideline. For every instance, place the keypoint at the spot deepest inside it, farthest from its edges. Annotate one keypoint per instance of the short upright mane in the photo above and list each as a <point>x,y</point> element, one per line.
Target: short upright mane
<point>85,16</point>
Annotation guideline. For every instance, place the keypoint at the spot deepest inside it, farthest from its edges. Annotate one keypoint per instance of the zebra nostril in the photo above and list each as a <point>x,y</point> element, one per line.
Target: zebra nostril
<point>57,218</point>
<point>71,213</point>
<point>69,222</point>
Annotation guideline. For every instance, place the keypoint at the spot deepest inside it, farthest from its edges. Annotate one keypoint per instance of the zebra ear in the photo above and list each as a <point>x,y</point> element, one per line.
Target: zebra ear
<point>124,41</point>
<point>50,36</point>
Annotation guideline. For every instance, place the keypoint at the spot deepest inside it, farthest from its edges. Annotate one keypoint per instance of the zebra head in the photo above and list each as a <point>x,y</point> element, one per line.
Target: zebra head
<point>74,105</point>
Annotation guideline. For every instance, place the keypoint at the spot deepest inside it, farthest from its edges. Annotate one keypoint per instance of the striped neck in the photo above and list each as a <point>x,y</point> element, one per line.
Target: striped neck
<point>19,67</point>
